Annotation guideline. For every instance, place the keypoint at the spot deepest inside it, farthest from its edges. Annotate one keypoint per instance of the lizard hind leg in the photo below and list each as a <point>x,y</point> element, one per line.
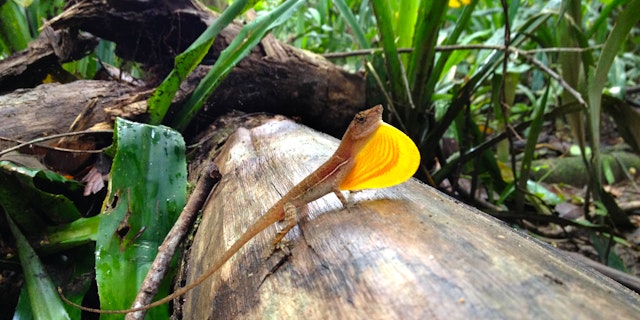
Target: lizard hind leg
<point>291,218</point>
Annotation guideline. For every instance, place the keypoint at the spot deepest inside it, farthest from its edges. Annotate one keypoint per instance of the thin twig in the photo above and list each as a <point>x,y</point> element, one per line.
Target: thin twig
<point>405,83</point>
<point>51,137</point>
<point>455,47</point>
<point>527,54</point>
<point>390,104</point>
<point>160,265</point>
<point>556,77</point>
<point>505,105</point>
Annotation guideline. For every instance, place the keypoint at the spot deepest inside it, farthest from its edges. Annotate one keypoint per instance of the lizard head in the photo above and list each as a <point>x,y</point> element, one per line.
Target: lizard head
<point>364,124</point>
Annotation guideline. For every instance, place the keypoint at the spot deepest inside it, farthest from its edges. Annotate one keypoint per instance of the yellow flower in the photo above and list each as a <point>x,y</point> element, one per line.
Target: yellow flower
<point>458,3</point>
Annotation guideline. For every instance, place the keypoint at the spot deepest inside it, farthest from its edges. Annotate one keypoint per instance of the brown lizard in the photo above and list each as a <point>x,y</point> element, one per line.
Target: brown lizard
<point>372,154</point>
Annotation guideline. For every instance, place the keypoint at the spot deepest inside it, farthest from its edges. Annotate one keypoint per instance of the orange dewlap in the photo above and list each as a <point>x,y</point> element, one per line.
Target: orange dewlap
<point>388,159</point>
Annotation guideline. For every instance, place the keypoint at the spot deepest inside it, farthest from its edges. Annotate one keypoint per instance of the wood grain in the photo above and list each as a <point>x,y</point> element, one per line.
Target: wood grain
<point>397,253</point>
<point>51,108</point>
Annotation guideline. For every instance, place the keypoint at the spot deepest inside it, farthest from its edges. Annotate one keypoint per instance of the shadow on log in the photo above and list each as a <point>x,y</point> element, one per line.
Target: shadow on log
<point>401,252</point>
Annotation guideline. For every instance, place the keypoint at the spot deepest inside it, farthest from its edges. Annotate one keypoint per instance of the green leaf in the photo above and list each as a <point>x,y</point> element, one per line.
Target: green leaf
<point>348,16</point>
<point>28,195</point>
<point>147,190</point>
<point>74,288</point>
<point>42,293</point>
<point>240,47</point>
<point>530,147</point>
<point>447,59</point>
<point>14,29</point>
<point>598,76</point>
<point>462,98</point>
<point>602,243</point>
<point>385,18</point>
<point>81,231</point>
<point>596,81</point>
<point>406,24</point>
<point>543,193</point>
<point>185,62</point>
<point>429,21</point>
<point>603,15</point>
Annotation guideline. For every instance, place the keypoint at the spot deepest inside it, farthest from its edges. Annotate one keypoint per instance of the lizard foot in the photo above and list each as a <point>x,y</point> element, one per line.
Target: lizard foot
<point>280,246</point>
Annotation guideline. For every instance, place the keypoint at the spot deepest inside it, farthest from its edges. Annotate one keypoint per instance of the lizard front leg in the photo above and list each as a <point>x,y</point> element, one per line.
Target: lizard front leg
<point>341,197</point>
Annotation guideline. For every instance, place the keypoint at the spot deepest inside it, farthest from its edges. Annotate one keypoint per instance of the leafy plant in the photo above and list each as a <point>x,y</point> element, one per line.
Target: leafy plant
<point>142,205</point>
<point>483,73</point>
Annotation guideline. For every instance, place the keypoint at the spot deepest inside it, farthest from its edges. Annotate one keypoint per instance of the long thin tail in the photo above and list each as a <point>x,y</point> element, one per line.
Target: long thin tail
<point>257,227</point>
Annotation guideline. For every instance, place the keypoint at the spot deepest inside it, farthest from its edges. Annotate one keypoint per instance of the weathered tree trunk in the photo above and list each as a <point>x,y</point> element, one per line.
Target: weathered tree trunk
<point>406,252</point>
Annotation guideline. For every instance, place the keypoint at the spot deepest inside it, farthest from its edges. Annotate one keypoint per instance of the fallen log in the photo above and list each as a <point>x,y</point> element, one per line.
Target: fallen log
<point>274,77</point>
<point>402,252</point>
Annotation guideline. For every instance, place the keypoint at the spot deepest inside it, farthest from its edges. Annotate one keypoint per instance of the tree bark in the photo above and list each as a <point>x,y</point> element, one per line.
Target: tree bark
<point>407,252</point>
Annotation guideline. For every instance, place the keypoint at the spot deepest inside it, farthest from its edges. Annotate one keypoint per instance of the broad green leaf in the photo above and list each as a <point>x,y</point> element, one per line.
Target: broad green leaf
<point>28,195</point>
<point>543,193</point>
<point>147,190</point>
<point>81,231</point>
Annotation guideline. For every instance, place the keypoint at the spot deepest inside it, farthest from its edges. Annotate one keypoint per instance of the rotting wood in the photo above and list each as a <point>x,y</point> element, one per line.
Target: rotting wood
<point>402,252</point>
<point>43,57</point>
<point>51,108</point>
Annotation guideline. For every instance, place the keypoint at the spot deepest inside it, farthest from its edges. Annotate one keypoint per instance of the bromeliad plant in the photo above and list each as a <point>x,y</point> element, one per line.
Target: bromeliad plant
<point>436,87</point>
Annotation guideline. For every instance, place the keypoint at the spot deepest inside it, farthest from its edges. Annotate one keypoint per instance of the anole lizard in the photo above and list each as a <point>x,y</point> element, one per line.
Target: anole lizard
<point>372,154</point>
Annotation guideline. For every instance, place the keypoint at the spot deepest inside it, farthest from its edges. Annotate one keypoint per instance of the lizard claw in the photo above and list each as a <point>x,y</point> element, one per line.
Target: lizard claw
<point>282,245</point>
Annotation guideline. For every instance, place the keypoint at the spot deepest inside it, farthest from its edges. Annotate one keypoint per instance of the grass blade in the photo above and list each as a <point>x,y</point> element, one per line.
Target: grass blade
<point>530,147</point>
<point>45,301</point>
<point>426,36</point>
<point>239,48</point>
<point>597,79</point>
<point>384,16</point>
<point>406,25</point>
<point>185,62</point>
<point>353,23</point>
